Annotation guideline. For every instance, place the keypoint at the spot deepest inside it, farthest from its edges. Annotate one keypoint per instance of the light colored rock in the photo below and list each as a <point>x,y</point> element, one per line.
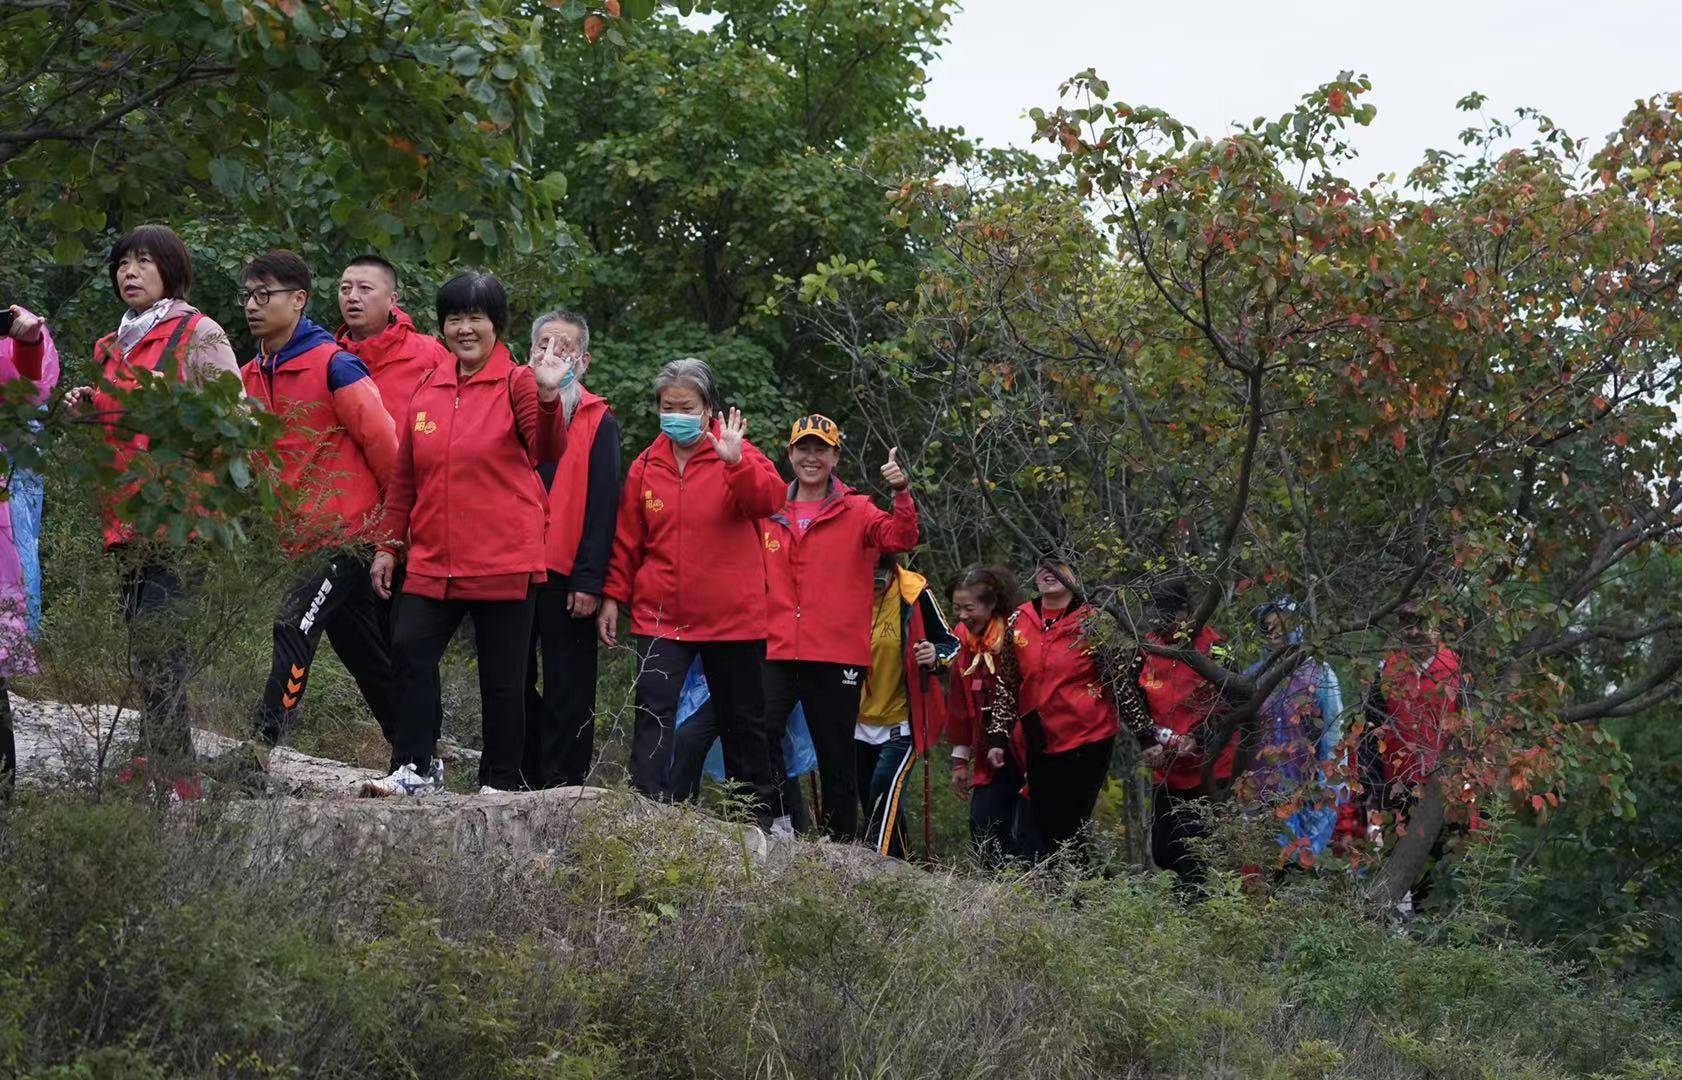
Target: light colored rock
<point>534,825</point>
<point>320,813</point>
<point>59,743</point>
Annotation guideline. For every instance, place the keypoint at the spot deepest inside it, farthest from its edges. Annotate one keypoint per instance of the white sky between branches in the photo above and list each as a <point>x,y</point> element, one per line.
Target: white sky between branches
<point>1212,62</point>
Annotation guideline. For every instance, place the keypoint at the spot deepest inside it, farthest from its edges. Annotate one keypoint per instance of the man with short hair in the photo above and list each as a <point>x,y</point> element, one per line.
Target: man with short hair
<point>335,454</point>
<point>377,331</point>
<point>583,516</point>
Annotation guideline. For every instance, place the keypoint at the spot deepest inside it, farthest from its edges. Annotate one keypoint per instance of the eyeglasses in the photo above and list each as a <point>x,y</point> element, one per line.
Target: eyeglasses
<point>262,294</point>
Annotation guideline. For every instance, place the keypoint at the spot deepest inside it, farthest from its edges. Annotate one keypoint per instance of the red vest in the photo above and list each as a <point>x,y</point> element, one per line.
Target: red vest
<point>571,486</point>
<point>120,372</point>
<point>1179,699</point>
<point>479,505</point>
<point>1060,680</point>
<point>335,490</point>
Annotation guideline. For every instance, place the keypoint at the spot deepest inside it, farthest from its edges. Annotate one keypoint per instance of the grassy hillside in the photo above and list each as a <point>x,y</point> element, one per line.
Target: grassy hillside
<point>136,945</point>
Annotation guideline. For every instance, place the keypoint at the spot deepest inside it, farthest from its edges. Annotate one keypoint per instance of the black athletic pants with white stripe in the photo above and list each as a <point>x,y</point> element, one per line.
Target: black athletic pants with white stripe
<point>830,696</point>
<point>334,597</point>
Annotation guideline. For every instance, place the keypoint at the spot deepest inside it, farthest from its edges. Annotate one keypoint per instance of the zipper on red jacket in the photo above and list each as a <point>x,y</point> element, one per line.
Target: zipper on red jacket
<point>794,548</point>
<point>449,456</point>
<point>796,538</point>
<point>677,600</point>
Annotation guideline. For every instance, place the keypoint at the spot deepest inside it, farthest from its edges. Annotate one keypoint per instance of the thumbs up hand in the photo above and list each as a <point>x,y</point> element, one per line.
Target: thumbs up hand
<point>893,474</point>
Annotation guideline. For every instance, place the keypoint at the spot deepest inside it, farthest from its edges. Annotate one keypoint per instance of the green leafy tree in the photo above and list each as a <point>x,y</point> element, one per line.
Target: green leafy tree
<point>1222,354</point>
<point>398,126</point>
<point>711,161</point>
<point>709,167</point>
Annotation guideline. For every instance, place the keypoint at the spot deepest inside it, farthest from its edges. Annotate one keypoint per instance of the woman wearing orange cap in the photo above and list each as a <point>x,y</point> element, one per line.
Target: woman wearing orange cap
<point>821,551</point>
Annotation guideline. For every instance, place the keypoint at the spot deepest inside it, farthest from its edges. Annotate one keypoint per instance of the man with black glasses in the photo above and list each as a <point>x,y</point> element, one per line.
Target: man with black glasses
<point>334,458</point>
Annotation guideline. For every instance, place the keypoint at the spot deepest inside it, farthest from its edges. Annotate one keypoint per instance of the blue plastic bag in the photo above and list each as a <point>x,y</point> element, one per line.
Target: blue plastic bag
<point>24,506</point>
<point>799,755</point>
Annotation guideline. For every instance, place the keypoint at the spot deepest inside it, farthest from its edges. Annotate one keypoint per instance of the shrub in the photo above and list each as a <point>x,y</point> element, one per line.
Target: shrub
<point>140,945</point>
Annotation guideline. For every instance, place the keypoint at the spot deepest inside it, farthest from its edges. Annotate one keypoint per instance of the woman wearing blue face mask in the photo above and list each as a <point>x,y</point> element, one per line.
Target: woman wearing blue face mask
<point>687,563</point>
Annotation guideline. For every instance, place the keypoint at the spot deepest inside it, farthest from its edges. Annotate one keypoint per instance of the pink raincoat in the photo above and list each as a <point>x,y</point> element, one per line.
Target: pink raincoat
<point>20,517</point>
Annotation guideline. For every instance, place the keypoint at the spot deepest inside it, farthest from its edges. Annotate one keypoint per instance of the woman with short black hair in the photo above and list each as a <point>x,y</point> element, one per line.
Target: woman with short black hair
<point>151,272</point>
<point>467,510</point>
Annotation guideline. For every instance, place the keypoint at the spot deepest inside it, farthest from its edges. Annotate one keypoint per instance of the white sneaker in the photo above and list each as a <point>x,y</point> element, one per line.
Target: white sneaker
<point>783,828</point>
<point>438,772</point>
<point>404,781</point>
<point>488,790</point>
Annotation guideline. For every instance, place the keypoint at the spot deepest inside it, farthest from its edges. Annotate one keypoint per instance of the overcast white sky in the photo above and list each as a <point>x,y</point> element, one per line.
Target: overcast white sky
<point>1211,62</point>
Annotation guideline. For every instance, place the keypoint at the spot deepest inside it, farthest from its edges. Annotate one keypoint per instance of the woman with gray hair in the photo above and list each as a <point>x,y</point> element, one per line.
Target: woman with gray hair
<point>687,563</point>
<point>583,498</point>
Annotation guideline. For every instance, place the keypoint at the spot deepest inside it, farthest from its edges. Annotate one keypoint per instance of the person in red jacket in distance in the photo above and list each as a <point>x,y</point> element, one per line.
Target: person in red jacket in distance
<point>821,552</point>
<point>151,272</point>
<point>999,826</point>
<point>687,562</point>
<point>468,508</point>
<point>1049,683</point>
<point>583,509</point>
<point>1181,706</point>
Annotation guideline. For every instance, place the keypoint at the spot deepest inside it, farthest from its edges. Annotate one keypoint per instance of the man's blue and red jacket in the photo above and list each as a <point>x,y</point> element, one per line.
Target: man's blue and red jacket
<point>339,445</point>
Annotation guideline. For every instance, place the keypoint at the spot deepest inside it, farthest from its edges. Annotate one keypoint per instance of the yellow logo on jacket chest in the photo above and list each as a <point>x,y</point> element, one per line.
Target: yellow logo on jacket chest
<point>650,503</point>
<point>423,425</point>
<point>772,543</point>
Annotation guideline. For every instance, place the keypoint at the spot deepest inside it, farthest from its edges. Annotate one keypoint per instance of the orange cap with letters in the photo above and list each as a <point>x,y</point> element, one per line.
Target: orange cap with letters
<point>818,427</point>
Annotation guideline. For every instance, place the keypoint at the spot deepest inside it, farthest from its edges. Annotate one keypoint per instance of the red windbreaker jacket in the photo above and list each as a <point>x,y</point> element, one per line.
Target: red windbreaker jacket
<point>974,674</point>
<point>1179,699</point>
<point>686,558</point>
<point>1419,699</point>
<point>339,442</point>
<point>398,357</point>
<point>1060,679</point>
<point>820,584</point>
<point>466,493</point>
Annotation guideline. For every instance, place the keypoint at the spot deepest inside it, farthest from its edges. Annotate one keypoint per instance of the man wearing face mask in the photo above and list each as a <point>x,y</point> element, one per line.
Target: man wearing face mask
<point>687,563</point>
<point>335,454</point>
<point>583,499</point>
